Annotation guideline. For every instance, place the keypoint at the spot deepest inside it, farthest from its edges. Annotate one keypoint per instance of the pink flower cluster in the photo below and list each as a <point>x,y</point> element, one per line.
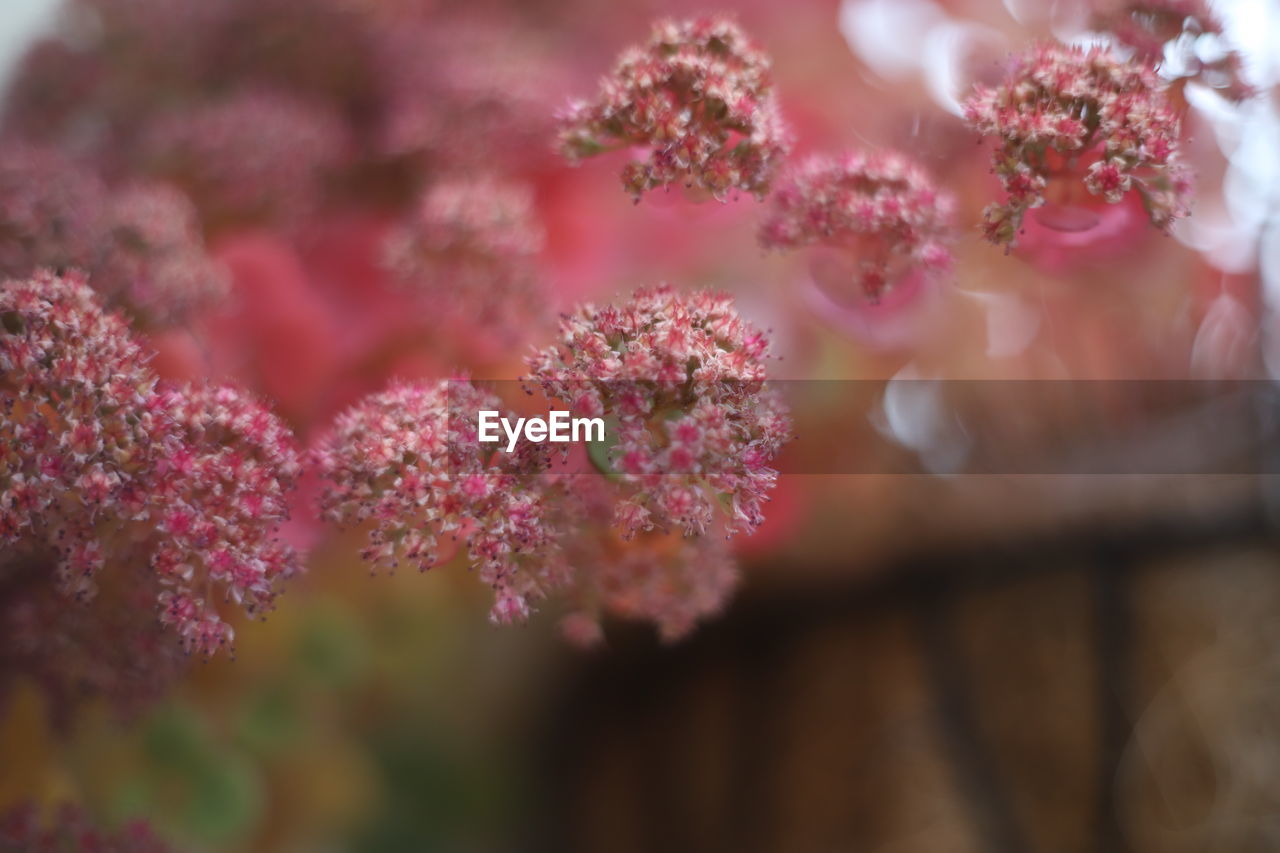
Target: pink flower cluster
<point>252,155</point>
<point>698,96</point>
<point>50,211</point>
<point>683,378</point>
<point>1183,39</point>
<point>880,206</point>
<point>1079,115</point>
<point>672,582</point>
<point>114,647</point>
<point>218,494</point>
<point>141,245</point>
<point>447,109</point>
<point>71,831</point>
<point>100,466</point>
<point>409,461</point>
<point>157,266</point>
<point>471,249</point>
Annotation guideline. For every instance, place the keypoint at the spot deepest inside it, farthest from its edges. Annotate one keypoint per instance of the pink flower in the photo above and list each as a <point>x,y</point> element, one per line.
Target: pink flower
<point>671,581</point>
<point>880,207</point>
<point>223,486</point>
<point>248,156</point>
<point>1069,117</point>
<point>470,250</point>
<point>103,468</point>
<point>699,97</point>
<point>445,109</point>
<point>409,462</point>
<point>141,245</point>
<point>157,266</point>
<point>683,378</point>
<point>51,211</point>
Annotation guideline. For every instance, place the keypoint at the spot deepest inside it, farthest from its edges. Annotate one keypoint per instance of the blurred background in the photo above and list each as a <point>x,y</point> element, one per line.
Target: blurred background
<point>1018,585</point>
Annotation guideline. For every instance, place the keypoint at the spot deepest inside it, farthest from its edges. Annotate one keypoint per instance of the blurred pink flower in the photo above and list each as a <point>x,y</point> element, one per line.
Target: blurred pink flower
<point>469,253</point>
<point>71,831</point>
<point>250,156</point>
<point>157,266</point>
<point>880,207</point>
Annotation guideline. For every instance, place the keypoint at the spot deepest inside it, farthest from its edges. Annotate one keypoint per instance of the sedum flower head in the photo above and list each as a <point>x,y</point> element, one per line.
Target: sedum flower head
<point>254,154</point>
<point>218,496</point>
<point>670,581</point>
<point>442,105</point>
<point>880,206</point>
<point>80,414</point>
<point>50,211</point>
<point>698,96</point>
<point>409,462</point>
<point>157,266</point>
<point>683,378</point>
<point>114,647</point>
<point>471,247</point>
<point>99,466</point>
<point>1183,39</point>
<point>1079,115</point>
<point>141,244</point>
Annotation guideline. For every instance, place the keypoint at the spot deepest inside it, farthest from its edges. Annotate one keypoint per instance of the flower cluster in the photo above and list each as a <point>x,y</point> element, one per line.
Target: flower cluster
<point>1184,39</point>
<point>409,460</point>
<point>99,465</point>
<point>471,248</point>
<point>443,106</point>
<point>81,411</point>
<point>142,245</point>
<point>684,379</point>
<point>51,211</point>
<point>880,206</point>
<point>252,155</point>
<point>71,831</point>
<point>671,581</point>
<point>1075,115</point>
<point>114,648</point>
<point>218,496</point>
<point>157,266</point>
<point>699,97</point>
